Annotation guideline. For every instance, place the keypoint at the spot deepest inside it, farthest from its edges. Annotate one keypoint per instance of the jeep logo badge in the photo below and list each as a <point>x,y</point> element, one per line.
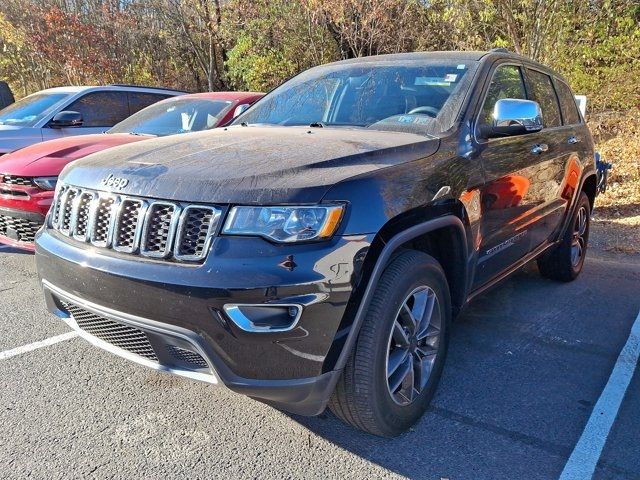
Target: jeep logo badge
<point>116,182</point>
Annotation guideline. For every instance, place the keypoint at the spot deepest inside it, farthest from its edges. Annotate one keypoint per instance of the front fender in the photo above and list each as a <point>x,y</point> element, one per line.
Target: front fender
<point>351,323</point>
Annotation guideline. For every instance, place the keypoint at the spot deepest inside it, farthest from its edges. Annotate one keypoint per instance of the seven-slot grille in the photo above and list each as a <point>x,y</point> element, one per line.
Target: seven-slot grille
<point>23,228</point>
<point>14,180</point>
<point>151,228</point>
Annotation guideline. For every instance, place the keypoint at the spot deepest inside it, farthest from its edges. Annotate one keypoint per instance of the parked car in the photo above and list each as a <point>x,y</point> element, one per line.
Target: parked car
<point>28,176</point>
<point>6,95</point>
<point>67,111</point>
<point>315,252</point>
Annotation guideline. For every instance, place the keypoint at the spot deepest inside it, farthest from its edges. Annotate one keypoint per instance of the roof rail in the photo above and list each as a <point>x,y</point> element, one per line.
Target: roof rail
<point>145,86</point>
<point>500,50</point>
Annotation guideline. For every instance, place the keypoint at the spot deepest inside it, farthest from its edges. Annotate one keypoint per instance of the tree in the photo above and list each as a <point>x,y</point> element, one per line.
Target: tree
<point>370,27</point>
<point>272,41</point>
<point>196,25</point>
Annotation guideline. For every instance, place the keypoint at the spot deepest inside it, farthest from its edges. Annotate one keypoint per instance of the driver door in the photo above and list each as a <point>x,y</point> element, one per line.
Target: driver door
<point>511,195</point>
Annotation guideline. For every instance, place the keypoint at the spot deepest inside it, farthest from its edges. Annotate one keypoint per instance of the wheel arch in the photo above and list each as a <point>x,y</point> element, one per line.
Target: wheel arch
<point>448,229</point>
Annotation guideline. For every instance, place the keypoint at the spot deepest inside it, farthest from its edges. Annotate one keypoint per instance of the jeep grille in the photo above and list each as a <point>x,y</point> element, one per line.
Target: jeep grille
<point>139,226</point>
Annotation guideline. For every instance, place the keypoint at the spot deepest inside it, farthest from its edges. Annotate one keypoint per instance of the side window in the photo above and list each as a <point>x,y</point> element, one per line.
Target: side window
<point>542,92</point>
<point>506,83</point>
<point>139,100</point>
<point>570,113</point>
<point>101,109</point>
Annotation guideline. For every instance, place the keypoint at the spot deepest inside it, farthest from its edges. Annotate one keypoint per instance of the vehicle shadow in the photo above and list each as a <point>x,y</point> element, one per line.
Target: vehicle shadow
<point>514,396</point>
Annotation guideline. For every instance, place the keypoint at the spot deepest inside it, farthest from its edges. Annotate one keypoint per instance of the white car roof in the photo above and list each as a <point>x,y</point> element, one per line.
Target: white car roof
<point>64,90</point>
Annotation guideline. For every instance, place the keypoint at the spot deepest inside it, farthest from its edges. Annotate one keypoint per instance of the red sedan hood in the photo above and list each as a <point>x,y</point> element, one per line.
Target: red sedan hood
<point>47,159</point>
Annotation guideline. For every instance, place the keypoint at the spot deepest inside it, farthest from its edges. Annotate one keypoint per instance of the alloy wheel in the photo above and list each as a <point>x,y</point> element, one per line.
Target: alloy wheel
<point>413,345</point>
<point>578,242</point>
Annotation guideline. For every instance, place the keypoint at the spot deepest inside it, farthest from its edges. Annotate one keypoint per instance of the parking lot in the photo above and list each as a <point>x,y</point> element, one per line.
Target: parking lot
<point>527,363</point>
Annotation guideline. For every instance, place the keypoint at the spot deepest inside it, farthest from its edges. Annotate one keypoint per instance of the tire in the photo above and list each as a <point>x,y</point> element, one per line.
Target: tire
<point>564,263</point>
<point>6,97</point>
<point>364,396</point>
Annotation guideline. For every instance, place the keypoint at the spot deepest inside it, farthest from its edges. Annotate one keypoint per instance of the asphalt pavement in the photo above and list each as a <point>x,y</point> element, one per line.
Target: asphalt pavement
<point>528,362</point>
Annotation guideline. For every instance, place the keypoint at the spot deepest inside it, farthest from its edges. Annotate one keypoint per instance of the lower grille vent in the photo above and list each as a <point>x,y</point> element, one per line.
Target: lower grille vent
<point>186,356</point>
<point>24,229</point>
<point>123,336</point>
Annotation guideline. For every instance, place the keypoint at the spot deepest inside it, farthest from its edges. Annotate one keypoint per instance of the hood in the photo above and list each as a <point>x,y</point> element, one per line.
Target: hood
<point>254,164</point>
<point>49,158</point>
<point>13,137</point>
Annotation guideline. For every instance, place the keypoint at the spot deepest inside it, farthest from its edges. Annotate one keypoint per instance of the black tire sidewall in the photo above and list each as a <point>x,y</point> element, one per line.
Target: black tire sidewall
<point>583,201</point>
<point>395,417</point>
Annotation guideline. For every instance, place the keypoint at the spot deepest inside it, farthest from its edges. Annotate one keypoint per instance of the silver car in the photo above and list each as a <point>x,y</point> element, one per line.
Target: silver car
<point>67,111</point>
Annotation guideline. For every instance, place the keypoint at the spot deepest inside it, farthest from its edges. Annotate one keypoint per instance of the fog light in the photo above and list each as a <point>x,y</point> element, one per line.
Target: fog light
<point>264,317</point>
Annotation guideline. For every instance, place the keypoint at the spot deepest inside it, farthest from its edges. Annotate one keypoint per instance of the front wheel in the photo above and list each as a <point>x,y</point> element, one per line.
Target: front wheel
<point>566,260</point>
<point>396,364</point>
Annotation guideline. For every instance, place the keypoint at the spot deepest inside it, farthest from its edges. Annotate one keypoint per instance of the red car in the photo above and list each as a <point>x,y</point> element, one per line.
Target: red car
<point>28,176</point>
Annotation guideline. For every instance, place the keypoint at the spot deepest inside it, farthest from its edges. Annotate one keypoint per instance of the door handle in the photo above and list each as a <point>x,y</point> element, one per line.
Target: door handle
<point>572,140</point>
<point>539,148</point>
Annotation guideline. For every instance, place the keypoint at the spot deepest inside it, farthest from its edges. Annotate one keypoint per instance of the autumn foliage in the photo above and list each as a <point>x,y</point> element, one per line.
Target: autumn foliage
<point>257,44</point>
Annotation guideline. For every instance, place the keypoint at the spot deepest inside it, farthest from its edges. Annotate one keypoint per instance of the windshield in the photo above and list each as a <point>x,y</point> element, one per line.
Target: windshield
<point>30,110</point>
<point>413,96</point>
<point>174,116</point>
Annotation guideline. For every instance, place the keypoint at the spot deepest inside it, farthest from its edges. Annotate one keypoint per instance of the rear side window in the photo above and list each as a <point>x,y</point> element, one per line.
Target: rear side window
<point>102,109</point>
<point>570,113</point>
<point>139,100</point>
<point>506,83</point>
<point>542,92</point>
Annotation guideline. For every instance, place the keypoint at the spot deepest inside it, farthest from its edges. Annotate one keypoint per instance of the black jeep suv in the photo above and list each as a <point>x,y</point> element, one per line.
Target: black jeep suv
<point>315,252</point>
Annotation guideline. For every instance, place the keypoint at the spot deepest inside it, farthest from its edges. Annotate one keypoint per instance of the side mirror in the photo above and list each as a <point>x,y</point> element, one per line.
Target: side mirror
<point>515,117</point>
<point>66,119</point>
<point>240,109</point>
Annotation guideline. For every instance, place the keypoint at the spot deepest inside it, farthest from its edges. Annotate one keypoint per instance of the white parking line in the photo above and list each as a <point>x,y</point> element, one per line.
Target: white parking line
<point>34,346</point>
<point>584,458</point>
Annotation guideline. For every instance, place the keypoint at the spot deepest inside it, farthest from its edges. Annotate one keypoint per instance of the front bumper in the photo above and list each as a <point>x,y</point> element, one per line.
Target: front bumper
<point>181,306</point>
<point>18,228</point>
<point>22,213</point>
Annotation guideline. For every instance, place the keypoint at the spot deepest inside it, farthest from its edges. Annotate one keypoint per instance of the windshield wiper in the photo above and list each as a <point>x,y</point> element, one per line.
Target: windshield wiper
<point>317,125</point>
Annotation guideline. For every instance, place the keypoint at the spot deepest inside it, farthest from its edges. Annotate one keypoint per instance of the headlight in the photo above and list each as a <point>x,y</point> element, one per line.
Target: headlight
<point>285,224</point>
<point>46,183</point>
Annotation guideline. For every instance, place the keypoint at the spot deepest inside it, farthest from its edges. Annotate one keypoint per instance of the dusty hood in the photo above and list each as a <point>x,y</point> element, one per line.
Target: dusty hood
<point>49,158</point>
<point>248,164</point>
